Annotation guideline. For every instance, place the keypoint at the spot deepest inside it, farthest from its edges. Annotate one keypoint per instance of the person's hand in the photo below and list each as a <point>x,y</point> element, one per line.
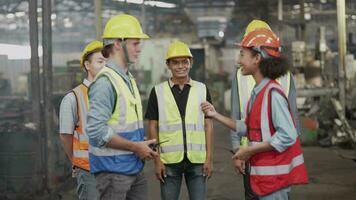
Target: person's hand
<point>244,153</point>
<point>208,169</point>
<point>143,150</point>
<point>160,170</point>
<point>239,165</point>
<point>208,109</point>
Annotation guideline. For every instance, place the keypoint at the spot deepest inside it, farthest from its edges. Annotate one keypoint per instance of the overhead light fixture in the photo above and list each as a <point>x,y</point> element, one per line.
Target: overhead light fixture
<point>160,4</point>
<point>307,16</point>
<point>135,1</point>
<point>10,16</point>
<point>20,14</point>
<point>221,34</point>
<point>131,1</point>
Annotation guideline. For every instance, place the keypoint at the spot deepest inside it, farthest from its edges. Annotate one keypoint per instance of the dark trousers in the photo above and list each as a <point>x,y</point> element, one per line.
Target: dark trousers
<point>249,194</point>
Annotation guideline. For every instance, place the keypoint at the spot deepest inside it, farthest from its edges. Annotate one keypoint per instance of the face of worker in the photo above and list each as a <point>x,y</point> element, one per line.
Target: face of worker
<point>180,67</point>
<point>95,63</point>
<point>248,62</point>
<point>133,49</point>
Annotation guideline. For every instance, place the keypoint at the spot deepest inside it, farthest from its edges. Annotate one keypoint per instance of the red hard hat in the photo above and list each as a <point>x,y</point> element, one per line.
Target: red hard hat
<point>262,39</point>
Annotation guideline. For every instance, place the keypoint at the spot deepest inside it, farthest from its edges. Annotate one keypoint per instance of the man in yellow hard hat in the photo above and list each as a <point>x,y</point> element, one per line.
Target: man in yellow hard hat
<point>114,123</point>
<point>177,122</point>
<point>73,111</point>
<point>241,89</point>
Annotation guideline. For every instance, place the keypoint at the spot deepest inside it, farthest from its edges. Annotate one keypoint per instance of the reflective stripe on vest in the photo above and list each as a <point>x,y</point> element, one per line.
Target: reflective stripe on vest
<point>171,124</point>
<point>126,121</point>
<point>279,169</point>
<point>80,138</point>
<point>271,171</point>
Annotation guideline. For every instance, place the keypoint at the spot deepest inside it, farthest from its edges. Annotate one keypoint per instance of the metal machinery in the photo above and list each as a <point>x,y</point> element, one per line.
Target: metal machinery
<point>318,93</point>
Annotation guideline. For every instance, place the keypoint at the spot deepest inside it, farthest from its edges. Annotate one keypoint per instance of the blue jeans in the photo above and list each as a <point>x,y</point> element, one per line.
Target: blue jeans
<point>282,194</point>
<point>193,174</point>
<point>86,185</point>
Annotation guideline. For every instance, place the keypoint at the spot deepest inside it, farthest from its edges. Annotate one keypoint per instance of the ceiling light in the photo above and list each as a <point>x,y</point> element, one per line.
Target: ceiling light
<point>10,16</point>
<point>20,14</point>
<point>135,1</point>
<point>221,34</point>
<point>160,4</point>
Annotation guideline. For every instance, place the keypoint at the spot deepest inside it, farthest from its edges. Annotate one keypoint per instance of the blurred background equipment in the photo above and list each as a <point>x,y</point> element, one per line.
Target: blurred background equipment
<point>41,42</point>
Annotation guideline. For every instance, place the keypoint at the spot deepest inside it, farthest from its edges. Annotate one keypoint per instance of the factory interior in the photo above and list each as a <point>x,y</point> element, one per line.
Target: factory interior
<point>42,41</point>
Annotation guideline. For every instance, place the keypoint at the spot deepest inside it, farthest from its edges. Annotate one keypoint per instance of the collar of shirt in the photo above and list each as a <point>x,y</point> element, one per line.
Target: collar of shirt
<point>124,74</point>
<point>256,90</point>
<point>260,86</point>
<point>171,83</point>
<point>86,82</point>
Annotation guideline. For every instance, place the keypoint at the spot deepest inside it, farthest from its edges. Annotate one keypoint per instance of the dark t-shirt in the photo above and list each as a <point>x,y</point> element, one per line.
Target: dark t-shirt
<point>180,96</point>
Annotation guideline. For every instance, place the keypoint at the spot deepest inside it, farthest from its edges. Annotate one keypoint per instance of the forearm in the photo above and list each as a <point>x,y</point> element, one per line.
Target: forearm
<point>117,142</point>
<point>209,137</point>
<point>230,123</point>
<point>67,143</point>
<point>259,148</point>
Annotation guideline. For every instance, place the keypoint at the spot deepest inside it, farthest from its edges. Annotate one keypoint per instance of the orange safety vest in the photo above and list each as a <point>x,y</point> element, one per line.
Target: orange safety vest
<point>272,170</point>
<point>80,138</point>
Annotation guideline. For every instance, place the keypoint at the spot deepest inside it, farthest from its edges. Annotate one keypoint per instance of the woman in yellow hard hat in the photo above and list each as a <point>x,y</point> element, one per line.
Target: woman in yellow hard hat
<point>176,120</point>
<point>115,127</point>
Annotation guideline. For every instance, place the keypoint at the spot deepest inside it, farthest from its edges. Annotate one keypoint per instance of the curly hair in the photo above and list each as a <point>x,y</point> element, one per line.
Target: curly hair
<point>273,67</point>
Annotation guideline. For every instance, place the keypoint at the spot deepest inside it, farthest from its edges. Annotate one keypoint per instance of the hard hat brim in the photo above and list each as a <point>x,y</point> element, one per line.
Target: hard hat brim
<point>141,36</point>
<point>179,56</point>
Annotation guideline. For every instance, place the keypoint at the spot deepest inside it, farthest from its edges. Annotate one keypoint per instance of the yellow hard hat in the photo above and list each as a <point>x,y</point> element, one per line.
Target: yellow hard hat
<point>123,26</point>
<point>255,24</point>
<point>178,49</point>
<point>90,48</point>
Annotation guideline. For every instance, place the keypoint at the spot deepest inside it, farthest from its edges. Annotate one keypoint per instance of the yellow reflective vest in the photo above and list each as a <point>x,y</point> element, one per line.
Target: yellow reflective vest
<point>171,124</point>
<point>126,121</point>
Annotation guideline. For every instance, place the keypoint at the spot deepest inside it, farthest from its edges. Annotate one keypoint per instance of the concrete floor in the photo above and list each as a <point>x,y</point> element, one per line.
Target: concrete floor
<point>331,177</point>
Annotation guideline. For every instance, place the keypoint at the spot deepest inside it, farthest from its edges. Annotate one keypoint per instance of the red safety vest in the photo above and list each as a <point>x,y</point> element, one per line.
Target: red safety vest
<point>80,138</point>
<point>271,171</point>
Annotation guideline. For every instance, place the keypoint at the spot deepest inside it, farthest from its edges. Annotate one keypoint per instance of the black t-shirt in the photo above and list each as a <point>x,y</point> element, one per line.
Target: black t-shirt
<point>180,96</point>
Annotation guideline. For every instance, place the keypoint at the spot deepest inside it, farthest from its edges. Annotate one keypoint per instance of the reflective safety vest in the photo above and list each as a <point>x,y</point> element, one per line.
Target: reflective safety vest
<point>171,124</point>
<point>80,138</point>
<point>272,170</point>
<point>245,85</point>
<point>126,121</point>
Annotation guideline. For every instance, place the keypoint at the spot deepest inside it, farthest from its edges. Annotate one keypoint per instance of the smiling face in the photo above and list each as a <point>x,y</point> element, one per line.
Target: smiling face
<point>248,61</point>
<point>180,67</point>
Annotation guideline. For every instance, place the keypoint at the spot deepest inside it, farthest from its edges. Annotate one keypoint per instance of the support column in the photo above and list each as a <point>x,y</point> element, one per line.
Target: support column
<point>341,27</point>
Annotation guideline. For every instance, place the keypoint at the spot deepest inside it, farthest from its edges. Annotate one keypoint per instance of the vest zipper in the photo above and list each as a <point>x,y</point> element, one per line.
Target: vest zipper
<point>184,134</point>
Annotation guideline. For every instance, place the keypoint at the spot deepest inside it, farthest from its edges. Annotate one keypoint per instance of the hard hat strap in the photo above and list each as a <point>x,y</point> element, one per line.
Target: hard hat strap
<point>263,53</point>
<point>126,53</point>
